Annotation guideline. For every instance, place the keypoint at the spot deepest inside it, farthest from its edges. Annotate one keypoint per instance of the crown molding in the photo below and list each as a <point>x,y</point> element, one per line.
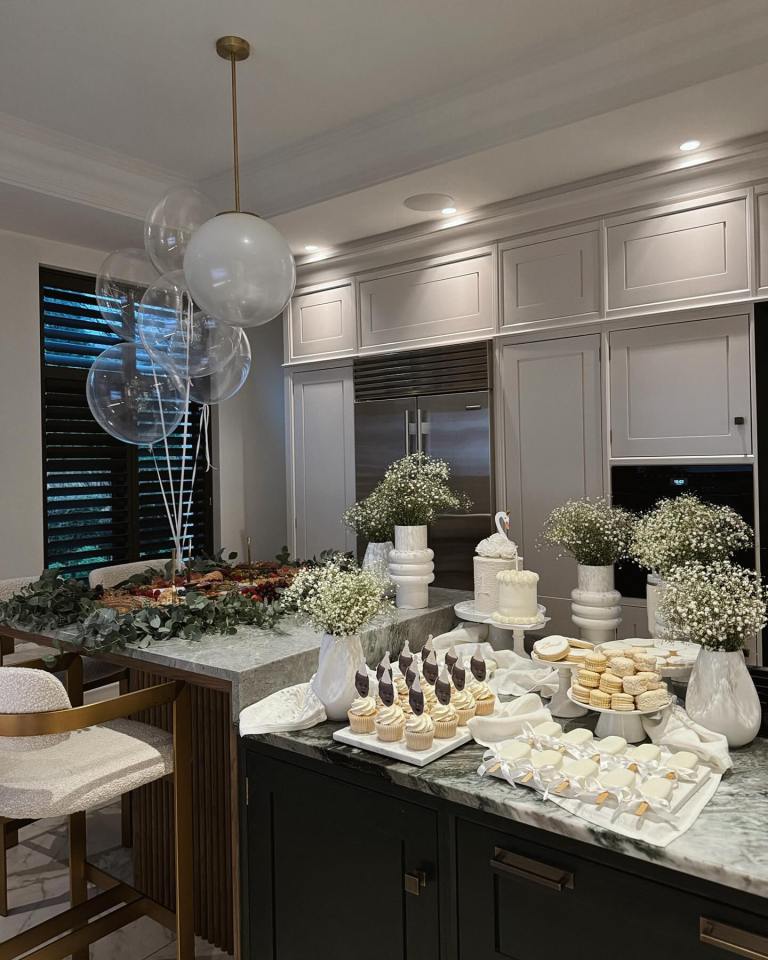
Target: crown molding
<point>48,162</point>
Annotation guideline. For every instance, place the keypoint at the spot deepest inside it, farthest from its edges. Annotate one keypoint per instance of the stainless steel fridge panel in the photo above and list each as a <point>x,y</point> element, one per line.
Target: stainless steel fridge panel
<point>385,431</point>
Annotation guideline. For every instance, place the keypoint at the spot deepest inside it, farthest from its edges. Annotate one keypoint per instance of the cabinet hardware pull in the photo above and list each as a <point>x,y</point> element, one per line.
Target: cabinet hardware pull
<point>724,937</point>
<point>473,406</point>
<point>515,865</point>
<point>739,421</point>
<point>414,882</point>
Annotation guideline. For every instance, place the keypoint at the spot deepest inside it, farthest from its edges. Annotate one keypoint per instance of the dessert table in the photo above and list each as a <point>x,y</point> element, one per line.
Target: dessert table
<point>228,673</point>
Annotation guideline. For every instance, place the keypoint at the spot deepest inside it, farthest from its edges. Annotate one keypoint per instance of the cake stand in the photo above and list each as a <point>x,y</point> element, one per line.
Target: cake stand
<point>620,723</point>
<point>561,705</point>
<point>466,611</point>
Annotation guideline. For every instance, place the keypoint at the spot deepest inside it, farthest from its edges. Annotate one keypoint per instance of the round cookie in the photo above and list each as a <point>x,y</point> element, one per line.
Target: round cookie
<point>598,698</point>
<point>621,666</point>
<point>552,648</point>
<point>622,701</point>
<point>577,656</point>
<point>610,683</point>
<point>581,644</point>
<point>588,679</point>
<point>596,661</point>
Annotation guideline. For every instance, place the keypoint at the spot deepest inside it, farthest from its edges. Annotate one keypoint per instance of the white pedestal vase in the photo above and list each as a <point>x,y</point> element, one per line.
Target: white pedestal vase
<point>376,560</point>
<point>334,682</point>
<point>595,605</point>
<point>411,568</point>
<point>722,696</point>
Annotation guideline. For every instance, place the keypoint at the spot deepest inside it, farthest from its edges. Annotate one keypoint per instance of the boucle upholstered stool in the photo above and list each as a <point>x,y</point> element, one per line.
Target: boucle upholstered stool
<point>59,760</point>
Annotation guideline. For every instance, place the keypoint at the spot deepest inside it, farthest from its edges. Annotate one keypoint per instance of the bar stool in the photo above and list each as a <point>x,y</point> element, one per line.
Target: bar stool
<point>58,760</point>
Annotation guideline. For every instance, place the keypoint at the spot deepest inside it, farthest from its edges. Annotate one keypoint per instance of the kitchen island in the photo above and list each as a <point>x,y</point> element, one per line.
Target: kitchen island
<point>226,674</point>
<point>471,868</point>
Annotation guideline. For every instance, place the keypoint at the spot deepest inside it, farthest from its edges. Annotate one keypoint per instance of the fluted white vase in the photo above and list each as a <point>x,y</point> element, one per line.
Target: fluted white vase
<point>411,568</point>
<point>334,682</point>
<point>722,696</point>
<point>595,604</point>
<point>376,560</point>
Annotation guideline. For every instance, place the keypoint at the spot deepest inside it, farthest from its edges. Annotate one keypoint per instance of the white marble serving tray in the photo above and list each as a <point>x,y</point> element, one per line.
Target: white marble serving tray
<point>399,750</point>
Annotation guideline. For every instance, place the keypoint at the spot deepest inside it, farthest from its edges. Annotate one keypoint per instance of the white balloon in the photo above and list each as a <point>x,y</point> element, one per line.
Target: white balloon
<point>240,269</point>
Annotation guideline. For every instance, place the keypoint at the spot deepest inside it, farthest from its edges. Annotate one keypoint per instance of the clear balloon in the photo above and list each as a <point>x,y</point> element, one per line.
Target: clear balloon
<point>132,397</point>
<point>240,269</point>
<point>170,224</point>
<point>179,335</point>
<point>121,282</point>
<point>226,382</point>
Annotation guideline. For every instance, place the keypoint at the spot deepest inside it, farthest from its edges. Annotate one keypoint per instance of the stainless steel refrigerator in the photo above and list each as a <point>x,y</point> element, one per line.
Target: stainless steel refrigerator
<point>438,402</point>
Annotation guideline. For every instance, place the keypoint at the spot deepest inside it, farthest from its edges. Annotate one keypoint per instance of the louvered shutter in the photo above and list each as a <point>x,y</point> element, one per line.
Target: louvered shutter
<point>102,500</point>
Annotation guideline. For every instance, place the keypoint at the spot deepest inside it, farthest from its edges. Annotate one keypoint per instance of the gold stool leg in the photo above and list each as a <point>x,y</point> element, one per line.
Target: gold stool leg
<point>78,886</point>
<point>182,805</point>
<point>3,868</point>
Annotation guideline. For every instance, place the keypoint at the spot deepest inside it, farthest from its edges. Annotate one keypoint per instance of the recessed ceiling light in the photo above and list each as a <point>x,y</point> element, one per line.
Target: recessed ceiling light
<point>430,202</point>
<point>688,145</point>
<point>311,247</point>
<point>447,211</point>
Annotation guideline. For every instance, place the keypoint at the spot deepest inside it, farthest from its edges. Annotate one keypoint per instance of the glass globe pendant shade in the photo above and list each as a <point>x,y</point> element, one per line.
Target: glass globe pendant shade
<point>179,335</point>
<point>240,269</point>
<point>170,224</point>
<point>131,397</point>
<point>122,279</point>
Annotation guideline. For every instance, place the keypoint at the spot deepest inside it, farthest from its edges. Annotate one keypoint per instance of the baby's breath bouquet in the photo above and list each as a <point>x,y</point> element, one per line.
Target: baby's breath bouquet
<point>718,605</point>
<point>686,529</point>
<point>371,518</point>
<point>416,489</point>
<point>335,598</point>
<point>592,531</point>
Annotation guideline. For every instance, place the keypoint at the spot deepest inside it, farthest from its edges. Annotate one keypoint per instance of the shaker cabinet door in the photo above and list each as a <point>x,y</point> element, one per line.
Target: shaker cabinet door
<point>323,440</point>
<point>322,324</point>
<point>681,389</point>
<point>338,871</point>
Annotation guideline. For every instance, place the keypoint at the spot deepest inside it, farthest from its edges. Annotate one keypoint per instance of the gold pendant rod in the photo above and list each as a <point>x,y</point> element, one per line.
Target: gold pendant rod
<point>234,49</point>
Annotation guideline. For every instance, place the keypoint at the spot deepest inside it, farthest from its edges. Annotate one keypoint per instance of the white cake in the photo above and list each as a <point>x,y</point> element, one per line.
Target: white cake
<point>518,597</point>
<point>494,554</point>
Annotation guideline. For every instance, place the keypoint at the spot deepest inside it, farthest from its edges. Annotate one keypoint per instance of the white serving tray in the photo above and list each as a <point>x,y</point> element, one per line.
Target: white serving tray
<point>399,750</point>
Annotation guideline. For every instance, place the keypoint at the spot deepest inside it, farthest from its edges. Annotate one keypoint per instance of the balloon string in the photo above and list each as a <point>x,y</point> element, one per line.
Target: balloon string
<point>203,429</point>
<point>165,498</point>
<point>186,327</point>
<point>175,528</point>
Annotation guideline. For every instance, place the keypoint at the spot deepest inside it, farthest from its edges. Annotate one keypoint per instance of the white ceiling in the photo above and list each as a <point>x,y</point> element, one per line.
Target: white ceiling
<point>349,106</point>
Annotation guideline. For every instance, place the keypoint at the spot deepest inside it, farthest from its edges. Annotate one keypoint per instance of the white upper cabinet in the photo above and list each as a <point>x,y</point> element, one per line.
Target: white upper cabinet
<point>667,257</point>
<point>322,323</point>
<point>681,389</point>
<point>427,301</point>
<point>550,278</point>
<point>762,238</point>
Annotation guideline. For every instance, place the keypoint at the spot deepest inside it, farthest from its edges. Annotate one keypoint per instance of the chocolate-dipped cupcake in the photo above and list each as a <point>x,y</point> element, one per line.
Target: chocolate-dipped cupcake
<point>411,675</point>
<point>444,714</point>
<point>426,650</point>
<point>430,668</point>
<point>390,720</point>
<point>362,712</point>
<point>387,692</point>
<point>405,659</point>
<point>451,658</point>
<point>419,727</point>
<point>383,666</point>
<point>477,665</point>
<point>463,700</point>
<point>362,680</point>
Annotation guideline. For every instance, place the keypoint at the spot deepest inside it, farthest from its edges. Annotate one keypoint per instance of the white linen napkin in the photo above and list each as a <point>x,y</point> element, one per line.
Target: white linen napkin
<point>294,708</point>
<point>508,719</point>
<point>673,728</point>
<point>516,675</point>
<point>473,633</point>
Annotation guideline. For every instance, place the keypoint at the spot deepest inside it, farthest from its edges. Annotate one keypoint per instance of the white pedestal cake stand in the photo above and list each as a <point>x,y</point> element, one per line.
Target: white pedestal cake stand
<point>620,723</point>
<point>466,611</point>
<point>561,705</point>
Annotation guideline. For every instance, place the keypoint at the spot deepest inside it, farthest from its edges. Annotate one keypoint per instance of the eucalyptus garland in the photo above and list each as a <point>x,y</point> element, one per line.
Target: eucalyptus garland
<point>72,609</point>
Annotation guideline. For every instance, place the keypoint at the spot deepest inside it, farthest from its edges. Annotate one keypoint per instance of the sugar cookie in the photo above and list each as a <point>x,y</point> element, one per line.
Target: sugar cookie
<point>599,698</point>
<point>579,693</point>
<point>551,648</point>
<point>588,679</point>
<point>596,662</point>
<point>621,666</point>
<point>622,701</point>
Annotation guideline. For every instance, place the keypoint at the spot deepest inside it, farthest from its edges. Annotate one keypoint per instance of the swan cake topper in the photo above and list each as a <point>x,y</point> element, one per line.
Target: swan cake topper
<point>498,545</point>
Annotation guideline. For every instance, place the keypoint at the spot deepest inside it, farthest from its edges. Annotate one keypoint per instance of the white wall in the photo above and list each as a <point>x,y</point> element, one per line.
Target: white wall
<point>249,451</point>
<point>21,490</point>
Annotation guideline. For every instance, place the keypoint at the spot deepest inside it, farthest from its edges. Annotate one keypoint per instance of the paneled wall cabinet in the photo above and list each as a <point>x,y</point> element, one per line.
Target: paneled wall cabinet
<point>432,300</point>
<point>681,389</point>
<point>555,277</point>
<point>321,323</point>
<point>549,437</point>
<point>323,459</point>
<point>341,863</point>
<point>673,255</point>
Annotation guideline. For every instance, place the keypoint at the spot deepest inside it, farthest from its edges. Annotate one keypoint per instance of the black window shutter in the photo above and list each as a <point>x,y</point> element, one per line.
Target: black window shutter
<point>102,502</point>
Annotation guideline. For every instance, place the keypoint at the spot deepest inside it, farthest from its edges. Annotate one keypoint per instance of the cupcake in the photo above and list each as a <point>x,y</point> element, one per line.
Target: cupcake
<point>430,669</point>
<point>419,727</point>
<point>443,714</point>
<point>485,699</point>
<point>405,659</point>
<point>362,712</point>
<point>451,658</point>
<point>390,720</point>
<point>463,700</point>
<point>430,698</point>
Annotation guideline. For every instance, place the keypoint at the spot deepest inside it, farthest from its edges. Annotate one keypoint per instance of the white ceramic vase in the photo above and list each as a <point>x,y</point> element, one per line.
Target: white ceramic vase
<point>376,560</point>
<point>722,696</point>
<point>411,568</point>
<point>595,604</point>
<point>334,682</point>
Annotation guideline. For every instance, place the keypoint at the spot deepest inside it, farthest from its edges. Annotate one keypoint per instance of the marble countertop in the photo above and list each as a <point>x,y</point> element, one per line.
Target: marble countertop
<point>258,662</point>
<point>727,844</point>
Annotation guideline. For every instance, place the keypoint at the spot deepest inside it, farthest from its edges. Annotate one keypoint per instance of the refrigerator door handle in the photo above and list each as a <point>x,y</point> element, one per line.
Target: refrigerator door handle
<point>407,433</point>
<point>420,431</point>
